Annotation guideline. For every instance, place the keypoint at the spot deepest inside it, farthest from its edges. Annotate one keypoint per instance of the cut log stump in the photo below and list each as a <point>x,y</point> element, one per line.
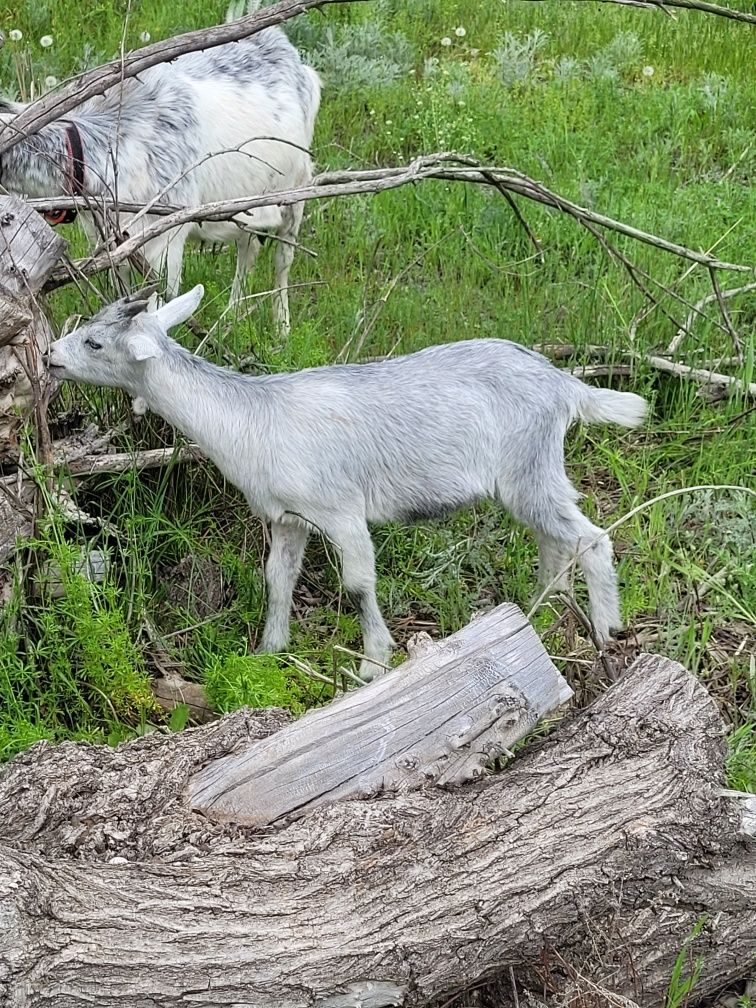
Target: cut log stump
<point>440,718</point>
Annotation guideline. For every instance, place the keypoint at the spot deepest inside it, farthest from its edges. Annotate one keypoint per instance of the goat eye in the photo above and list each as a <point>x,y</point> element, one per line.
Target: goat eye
<point>91,343</point>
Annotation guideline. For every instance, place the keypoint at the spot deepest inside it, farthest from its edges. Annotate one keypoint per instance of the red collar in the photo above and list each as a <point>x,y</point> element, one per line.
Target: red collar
<point>74,173</point>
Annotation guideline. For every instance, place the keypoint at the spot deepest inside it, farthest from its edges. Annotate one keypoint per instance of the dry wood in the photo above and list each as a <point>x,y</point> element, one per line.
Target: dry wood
<point>610,837</point>
<point>701,375</point>
<point>13,320</point>
<point>29,249</point>
<point>697,310</point>
<point>171,690</point>
<point>442,717</point>
<point>16,513</point>
<point>441,166</point>
<point>694,5</point>
<point>147,458</point>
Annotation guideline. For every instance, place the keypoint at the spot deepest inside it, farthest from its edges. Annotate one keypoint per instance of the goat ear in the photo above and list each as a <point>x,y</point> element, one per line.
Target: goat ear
<point>141,346</point>
<point>180,309</point>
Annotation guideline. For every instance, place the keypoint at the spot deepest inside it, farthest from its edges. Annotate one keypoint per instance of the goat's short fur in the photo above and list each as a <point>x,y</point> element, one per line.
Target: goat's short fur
<point>335,448</point>
<point>183,133</point>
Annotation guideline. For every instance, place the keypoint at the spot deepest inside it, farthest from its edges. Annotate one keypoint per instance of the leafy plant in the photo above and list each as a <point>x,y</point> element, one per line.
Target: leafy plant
<point>516,57</point>
<point>366,55</point>
<point>243,680</point>
<point>77,669</point>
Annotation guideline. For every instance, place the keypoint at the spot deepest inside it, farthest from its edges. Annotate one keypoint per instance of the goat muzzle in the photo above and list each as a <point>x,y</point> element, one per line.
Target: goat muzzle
<point>55,217</point>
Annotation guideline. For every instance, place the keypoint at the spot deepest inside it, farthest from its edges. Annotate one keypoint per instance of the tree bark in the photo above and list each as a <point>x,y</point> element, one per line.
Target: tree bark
<point>609,839</point>
<point>28,251</point>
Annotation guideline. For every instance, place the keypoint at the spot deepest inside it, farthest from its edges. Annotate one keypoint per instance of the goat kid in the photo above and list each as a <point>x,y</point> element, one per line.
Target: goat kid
<point>228,122</point>
<point>334,448</point>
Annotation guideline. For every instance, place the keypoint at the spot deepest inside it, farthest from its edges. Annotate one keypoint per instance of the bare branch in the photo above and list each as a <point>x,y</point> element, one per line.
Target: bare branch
<point>443,166</point>
<point>725,314</point>
<point>697,309</point>
<point>701,375</point>
<point>697,5</point>
<point>149,458</point>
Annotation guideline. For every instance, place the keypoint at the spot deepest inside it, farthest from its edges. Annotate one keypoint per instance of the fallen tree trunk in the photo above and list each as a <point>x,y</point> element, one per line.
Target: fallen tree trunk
<point>612,834</point>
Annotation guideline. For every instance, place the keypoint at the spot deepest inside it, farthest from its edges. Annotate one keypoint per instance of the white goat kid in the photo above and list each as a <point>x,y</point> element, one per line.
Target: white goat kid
<point>228,122</point>
<point>334,448</point>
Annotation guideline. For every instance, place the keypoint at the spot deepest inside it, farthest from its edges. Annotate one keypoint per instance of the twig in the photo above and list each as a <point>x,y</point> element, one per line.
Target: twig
<point>332,184</point>
<point>601,371</point>
<point>699,374</point>
<point>696,310</point>
<point>572,604</point>
<point>520,219</point>
<point>515,995</point>
<point>725,314</point>
<point>633,271</point>
<point>643,506</point>
<point>696,5</point>
<point>149,458</point>
<point>380,304</point>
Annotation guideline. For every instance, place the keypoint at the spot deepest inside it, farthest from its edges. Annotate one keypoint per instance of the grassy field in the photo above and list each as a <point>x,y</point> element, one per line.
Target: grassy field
<point>642,117</point>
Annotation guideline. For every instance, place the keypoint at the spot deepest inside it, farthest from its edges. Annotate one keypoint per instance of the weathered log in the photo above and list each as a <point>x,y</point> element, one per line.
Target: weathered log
<point>29,249</point>
<point>441,717</point>
<point>612,833</point>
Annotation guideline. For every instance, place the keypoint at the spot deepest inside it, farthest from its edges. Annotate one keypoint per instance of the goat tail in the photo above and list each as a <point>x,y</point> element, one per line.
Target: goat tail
<point>603,405</point>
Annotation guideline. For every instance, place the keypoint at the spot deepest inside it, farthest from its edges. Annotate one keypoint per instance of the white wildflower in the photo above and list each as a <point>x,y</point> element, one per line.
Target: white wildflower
<point>648,71</point>
<point>144,37</point>
<point>460,32</point>
<point>15,35</point>
<point>51,82</point>
<point>474,53</point>
<point>46,41</point>
<point>446,41</point>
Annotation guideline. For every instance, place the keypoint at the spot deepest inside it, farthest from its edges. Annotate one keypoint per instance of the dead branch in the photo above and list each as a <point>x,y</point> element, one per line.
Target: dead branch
<point>700,375</point>
<point>441,166</point>
<point>149,458</point>
<point>441,718</point>
<point>696,5</point>
<point>697,309</point>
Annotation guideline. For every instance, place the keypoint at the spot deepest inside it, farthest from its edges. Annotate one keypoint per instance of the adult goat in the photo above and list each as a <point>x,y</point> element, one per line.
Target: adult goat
<point>236,120</point>
<point>334,448</point>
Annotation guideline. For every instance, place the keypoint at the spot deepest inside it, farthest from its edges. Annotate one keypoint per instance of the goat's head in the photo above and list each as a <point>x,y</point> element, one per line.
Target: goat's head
<point>113,348</point>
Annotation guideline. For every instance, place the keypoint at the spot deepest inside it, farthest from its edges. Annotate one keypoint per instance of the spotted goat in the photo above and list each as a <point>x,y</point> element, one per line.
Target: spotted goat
<point>233,121</point>
<point>333,449</point>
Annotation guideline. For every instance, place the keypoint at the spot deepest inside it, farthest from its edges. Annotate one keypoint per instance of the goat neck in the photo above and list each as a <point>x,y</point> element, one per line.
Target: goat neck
<point>37,166</point>
<point>213,406</point>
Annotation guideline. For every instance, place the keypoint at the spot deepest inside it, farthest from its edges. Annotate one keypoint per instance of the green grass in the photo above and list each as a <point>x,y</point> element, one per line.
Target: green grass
<point>671,151</point>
